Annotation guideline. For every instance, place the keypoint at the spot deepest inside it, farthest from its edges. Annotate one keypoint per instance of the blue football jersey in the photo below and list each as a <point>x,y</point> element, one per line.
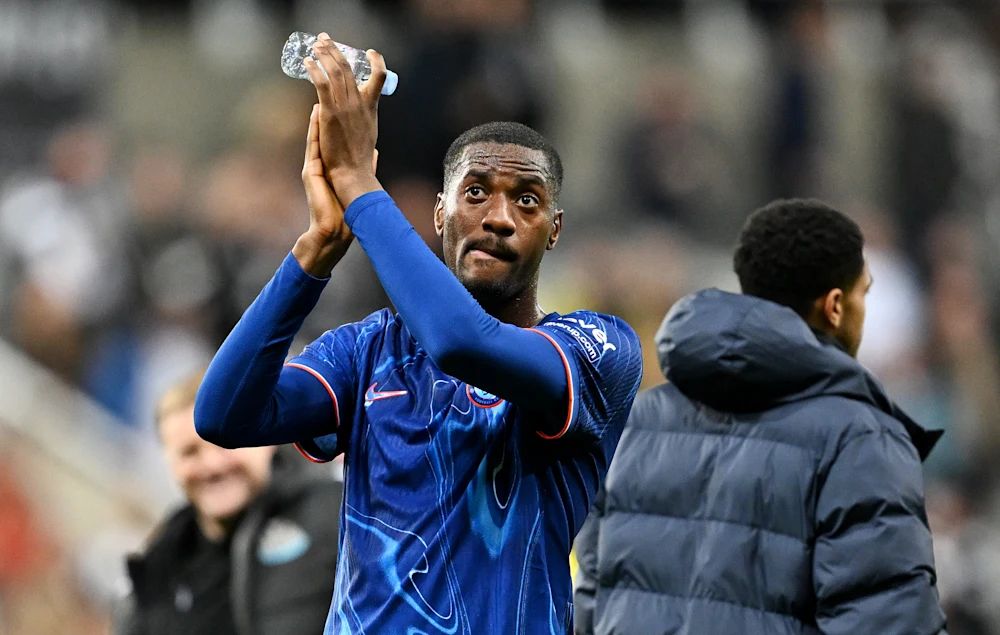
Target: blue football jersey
<point>459,514</point>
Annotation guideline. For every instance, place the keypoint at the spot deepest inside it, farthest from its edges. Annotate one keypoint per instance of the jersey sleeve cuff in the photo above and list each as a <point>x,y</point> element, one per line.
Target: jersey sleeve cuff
<point>363,202</point>
<point>290,267</point>
<point>311,452</point>
<point>310,449</point>
<point>570,389</point>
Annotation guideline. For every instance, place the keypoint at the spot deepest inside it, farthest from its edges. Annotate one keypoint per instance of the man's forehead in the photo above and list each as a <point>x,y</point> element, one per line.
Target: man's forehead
<point>503,157</point>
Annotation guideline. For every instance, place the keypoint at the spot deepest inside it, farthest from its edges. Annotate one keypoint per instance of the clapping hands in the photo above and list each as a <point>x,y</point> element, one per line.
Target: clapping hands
<point>340,156</point>
<point>348,119</point>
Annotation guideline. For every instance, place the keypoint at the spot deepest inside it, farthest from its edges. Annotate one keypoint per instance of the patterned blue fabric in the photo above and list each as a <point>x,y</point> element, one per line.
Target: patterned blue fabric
<point>458,514</point>
<point>460,504</point>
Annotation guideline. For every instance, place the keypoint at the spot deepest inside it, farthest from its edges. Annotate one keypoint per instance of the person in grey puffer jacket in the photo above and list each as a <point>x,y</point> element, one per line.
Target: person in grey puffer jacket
<point>770,486</point>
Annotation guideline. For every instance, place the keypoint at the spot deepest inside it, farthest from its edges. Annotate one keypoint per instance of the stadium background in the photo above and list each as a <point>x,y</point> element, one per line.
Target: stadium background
<point>149,186</point>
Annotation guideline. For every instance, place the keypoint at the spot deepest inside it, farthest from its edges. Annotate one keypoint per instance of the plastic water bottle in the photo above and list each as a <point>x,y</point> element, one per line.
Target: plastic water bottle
<point>300,46</point>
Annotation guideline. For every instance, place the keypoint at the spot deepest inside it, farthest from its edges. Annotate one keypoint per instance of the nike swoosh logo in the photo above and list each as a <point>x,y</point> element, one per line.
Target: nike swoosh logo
<point>372,395</point>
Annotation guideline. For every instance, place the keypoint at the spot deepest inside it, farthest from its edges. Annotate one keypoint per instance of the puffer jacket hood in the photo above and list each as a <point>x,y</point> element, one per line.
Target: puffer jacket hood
<point>740,353</point>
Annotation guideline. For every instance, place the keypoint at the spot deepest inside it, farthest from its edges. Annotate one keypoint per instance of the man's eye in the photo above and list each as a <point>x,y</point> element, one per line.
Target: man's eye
<point>527,200</point>
<point>475,191</point>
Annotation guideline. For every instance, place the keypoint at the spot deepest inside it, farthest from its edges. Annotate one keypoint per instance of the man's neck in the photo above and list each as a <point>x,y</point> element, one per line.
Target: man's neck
<point>521,310</point>
<point>214,530</point>
<point>828,338</point>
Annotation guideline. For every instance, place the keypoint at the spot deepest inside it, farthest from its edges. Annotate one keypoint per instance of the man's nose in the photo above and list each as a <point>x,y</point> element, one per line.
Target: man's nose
<point>216,459</point>
<point>499,218</point>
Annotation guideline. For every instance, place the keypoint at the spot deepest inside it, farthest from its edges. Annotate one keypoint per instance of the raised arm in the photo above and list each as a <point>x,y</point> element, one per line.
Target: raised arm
<point>518,364</point>
<point>247,398</point>
<point>522,365</point>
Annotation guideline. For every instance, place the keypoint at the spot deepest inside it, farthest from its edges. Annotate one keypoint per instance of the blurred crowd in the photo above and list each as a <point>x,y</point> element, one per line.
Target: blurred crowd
<point>149,186</point>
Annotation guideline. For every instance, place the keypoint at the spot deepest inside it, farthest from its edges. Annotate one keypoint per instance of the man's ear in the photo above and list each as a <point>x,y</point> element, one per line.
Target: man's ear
<point>439,215</point>
<point>831,307</point>
<point>556,228</point>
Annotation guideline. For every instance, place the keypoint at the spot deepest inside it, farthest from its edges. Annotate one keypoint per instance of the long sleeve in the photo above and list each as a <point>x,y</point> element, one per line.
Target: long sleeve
<point>462,338</point>
<point>873,566</point>
<point>246,397</point>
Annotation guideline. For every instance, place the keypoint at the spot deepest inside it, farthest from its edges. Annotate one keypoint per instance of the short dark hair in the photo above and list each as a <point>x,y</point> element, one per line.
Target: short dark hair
<point>793,251</point>
<point>506,132</point>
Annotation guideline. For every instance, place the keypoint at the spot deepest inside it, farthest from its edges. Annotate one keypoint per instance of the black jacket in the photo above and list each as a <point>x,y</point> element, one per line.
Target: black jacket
<point>769,487</point>
<point>282,558</point>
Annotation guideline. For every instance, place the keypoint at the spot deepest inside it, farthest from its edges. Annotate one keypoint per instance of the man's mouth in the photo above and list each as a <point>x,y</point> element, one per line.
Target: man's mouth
<point>487,249</point>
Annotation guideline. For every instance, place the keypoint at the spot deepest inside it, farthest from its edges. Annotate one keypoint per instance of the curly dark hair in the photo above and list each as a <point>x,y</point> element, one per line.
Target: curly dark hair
<point>506,132</point>
<point>793,251</point>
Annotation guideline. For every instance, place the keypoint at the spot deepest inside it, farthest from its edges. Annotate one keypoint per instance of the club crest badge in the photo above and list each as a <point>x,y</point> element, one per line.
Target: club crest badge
<point>481,398</point>
<point>281,542</point>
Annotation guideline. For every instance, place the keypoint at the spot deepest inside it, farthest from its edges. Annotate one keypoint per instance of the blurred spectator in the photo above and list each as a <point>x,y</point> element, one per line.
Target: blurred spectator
<point>416,197</point>
<point>923,157</point>
<point>670,159</point>
<point>469,63</point>
<point>967,554</point>
<point>895,320</point>
<point>647,9</point>
<point>176,288</point>
<point>795,145</point>
<point>645,268</point>
<point>61,230</point>
<point>254,550</point>
<point>47,82</point>
<point>965,351</point>
<point>250,207</point>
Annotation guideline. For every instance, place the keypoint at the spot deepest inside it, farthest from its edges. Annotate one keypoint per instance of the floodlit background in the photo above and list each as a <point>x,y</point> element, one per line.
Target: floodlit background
<point>149,186</point>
